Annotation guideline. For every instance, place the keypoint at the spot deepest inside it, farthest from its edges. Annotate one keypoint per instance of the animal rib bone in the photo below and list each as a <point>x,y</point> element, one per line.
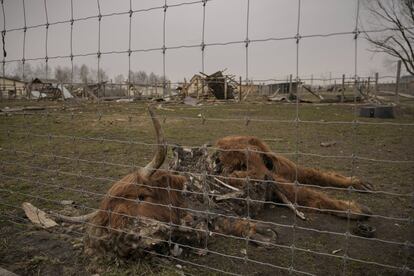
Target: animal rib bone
<point>226,185</point>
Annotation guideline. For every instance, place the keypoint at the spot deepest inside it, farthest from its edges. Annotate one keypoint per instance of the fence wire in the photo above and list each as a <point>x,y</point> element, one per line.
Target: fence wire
<point>24,167</point>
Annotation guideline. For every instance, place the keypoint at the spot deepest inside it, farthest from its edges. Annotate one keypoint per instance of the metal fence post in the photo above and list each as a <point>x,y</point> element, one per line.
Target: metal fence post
<point>397,82</point>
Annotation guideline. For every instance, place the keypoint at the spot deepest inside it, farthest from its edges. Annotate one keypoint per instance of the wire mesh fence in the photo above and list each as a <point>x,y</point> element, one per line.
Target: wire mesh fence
<point>240,205</point>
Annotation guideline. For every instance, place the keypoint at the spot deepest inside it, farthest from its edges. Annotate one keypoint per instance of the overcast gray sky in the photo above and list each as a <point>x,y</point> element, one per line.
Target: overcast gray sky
<point>225,22</point>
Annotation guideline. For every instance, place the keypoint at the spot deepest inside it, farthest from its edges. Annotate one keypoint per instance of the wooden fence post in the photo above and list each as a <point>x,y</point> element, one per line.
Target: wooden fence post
<point>240,89</point>
<point>225,88</point>
<point>369,85</point>
<point>198,89</point>
<point>185,87</point>
<point>376,84</point>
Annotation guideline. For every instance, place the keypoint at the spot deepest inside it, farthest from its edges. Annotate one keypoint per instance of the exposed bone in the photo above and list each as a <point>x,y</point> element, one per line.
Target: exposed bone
<point>229,195</point>
<point>289,204</point>
<point>37,216</point>
<point>226,185</point>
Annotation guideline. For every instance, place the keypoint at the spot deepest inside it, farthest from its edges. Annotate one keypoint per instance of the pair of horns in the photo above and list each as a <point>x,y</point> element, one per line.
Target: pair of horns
<point>147,171</point>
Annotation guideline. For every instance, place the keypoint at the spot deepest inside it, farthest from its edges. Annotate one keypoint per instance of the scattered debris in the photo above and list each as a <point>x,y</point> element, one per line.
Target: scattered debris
<point>4,272</point>
<point>67,202</point>
<point>336,251</point>
<point>190,101</point>
<point>328,144</point>
<point>160,107</point>
<point>176,251</point>
<point>20,109</point>
<point>48,89</point>
<point>37,216</point>
<point>308,88</point>
<point>364,230</point>
<point>279,99</point>
<point>382,111</point>
<point>124,100</point>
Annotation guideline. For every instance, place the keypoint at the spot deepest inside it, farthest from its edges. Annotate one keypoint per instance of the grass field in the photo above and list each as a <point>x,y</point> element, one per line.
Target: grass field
<point>75,152</point>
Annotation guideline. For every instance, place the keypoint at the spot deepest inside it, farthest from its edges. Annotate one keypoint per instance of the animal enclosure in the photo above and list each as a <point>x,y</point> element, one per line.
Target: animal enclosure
<point>198,209</point>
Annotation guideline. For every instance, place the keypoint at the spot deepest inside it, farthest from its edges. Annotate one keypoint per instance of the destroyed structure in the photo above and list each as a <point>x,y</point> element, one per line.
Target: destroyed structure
<point>215,86</point>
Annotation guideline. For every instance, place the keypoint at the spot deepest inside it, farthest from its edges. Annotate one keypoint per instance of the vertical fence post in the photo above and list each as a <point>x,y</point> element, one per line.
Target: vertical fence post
<point>185,88</point>
<point>202,87</point>
<point>225,88</point>
<point>290,84</point>
<point>169,89</point>
<point>343,88</point>
<point>376,84</point>
<point>397,82</point>
<point>240,89</point>
<point>197,89</point>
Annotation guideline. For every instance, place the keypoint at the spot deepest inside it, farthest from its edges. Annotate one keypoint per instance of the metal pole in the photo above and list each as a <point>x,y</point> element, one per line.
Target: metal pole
<point>343,88</point>
<point>397,82</point>
<point>376,84</point>
<point>290,84</point>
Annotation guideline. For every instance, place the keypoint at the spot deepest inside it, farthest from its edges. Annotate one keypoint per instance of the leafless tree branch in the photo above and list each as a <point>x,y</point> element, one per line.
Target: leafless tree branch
<point>398,17</point>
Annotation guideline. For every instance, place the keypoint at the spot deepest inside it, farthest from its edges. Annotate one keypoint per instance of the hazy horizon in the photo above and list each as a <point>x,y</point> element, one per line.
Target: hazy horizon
<point>224,36</point>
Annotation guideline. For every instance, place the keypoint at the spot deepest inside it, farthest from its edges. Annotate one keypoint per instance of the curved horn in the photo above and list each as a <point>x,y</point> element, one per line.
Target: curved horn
<point>78,219</point>
<point>161,151</point>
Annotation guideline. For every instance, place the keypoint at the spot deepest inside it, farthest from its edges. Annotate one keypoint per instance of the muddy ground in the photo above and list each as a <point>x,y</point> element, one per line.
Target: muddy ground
<point>74,152</point>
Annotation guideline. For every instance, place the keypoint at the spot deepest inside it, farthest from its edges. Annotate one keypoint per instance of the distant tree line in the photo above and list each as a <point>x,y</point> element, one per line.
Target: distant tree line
<point>81,74</point>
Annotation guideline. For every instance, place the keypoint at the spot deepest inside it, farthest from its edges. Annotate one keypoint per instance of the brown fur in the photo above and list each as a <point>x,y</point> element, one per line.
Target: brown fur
<point>153,197</point>
<point>159,196</point>
<point>258,162</point>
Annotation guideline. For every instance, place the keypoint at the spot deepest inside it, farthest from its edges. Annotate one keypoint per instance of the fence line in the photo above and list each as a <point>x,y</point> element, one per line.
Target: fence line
<point>27,131</point>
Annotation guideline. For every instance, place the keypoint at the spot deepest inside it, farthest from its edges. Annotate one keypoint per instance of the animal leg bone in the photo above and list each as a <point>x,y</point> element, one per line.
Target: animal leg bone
<point>289,204</point>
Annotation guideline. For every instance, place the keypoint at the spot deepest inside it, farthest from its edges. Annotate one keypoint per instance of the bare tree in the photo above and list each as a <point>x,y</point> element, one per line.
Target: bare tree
<point>63,74</point>
<point>18,73</point>
<point>98,77</point>
<point>41,71</point>
<point>139,77</point>
<point>153,78</point>
<point>76,74</point>
<point>119,79</point>
<point>84,73</point>
<point>396,18</point>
